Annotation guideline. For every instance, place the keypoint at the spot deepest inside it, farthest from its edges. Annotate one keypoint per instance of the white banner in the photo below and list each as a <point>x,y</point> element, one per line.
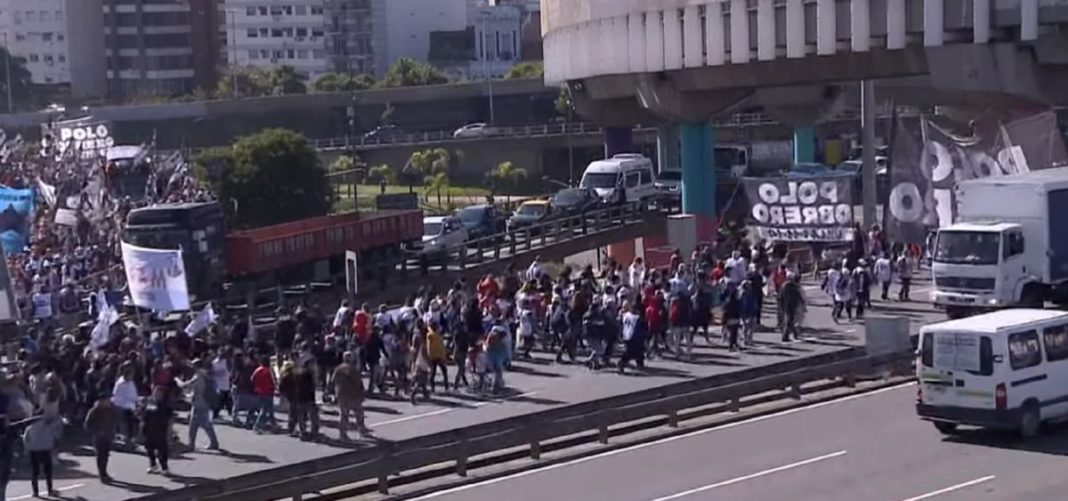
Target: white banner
<point>67,217</point>
<point>156,277</point>
<point>106,317</point>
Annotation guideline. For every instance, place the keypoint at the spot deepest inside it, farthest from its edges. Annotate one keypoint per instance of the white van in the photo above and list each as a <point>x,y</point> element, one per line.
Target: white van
<point>626,175</point>
<point>1006,369</point>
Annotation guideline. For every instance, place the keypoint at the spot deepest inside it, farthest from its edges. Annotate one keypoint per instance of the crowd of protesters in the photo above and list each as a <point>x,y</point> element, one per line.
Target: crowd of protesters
<point>128,391</point>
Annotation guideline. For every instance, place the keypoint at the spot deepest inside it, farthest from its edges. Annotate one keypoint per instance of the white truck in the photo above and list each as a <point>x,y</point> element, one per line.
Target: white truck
<point>1009,247</point>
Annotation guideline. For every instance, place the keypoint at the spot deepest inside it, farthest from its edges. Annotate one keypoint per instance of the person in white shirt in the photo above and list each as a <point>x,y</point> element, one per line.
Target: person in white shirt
<point>633,341</point>
<point>343,317</point>
<point>220,375</point>
<point>534,272</point>
<point>125,398</point>
<point>636,273</point>
<point>736,268</point>
<point>42,307</point>
<point>883,274</point>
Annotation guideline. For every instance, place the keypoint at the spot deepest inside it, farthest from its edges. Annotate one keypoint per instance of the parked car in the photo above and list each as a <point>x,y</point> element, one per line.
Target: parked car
<point>482,220</point>
<point>574,201</point>
<point>669,182</point>
<point>530,213</point>
<point>442,235</point>
<point>475,130</point>
<point>385,133</point>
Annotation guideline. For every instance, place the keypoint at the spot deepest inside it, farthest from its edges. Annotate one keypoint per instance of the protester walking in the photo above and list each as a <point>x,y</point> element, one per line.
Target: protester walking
<point>883,271</point>
<point>791,301</point>
<point>263,388</point>
<point>101,423</point>
<point>156,419</point>
<point>203,399</point>
<point>904,273</point>
<point>633,338</point>
<point>844,294</point>
<point>350,395</point>
<point>862,283</point>
<point>40,439</point>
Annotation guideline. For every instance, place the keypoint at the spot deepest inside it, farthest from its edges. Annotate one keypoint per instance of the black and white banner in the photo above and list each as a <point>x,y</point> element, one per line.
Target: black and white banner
<point>810,209</point>
<point>929,160</point>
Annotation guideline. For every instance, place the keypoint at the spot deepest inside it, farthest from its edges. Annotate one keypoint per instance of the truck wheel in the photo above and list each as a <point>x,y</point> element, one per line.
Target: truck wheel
<point>1032,297</point>
<point>1030,421</point>
<point>945,428</point>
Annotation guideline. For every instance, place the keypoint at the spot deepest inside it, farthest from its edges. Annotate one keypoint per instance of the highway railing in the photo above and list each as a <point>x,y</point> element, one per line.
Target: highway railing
<point>514,242</point>
<point>557,129</point>
<point>378,463</point>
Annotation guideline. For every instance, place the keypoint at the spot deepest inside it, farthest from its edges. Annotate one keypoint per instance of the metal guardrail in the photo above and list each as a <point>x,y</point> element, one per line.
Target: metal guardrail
<point>559,129</point>
<point>531,430</point>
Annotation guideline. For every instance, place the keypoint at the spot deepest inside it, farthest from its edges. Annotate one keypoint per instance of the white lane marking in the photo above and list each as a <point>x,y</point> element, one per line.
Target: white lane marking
<point>952,488</point>
<point>443,411</point>
<point>60,489</point>
<point>409,418</point>
<point>635,447</point>
<point>502,400</point>
<point>752,476</point>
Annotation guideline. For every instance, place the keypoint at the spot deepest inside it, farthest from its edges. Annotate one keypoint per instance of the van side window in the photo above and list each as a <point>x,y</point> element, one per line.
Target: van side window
<point>647,176</point>
<point>927,350</point>
<point>1024,350</point>
<point>1056,340</point>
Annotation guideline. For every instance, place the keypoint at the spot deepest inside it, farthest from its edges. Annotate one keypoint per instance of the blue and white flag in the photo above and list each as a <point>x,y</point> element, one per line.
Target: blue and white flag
<point>202,321</point>
<point>16,214</point>
<point>106,317</point>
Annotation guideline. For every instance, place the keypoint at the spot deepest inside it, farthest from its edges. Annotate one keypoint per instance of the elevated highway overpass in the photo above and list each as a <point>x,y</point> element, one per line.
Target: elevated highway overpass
<point>799,61</point>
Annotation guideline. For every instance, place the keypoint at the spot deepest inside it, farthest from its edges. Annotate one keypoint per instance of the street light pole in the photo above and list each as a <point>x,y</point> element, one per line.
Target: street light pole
<point>485,64</point>
<point>231,14</point>
<point>867,176</point>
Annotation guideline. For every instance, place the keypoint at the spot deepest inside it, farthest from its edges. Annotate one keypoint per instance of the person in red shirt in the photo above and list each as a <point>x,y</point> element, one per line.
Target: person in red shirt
<point>361,324</point>
<point>488,291</point>
<point>778,277</point>
<point>263,390</point>
<point>718,271</point>
<point>655,322</point>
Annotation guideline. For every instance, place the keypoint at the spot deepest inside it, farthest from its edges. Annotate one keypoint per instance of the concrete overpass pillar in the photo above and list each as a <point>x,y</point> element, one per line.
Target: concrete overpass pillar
<point>618,140</point>
<point>667,148</point>
<point>804,145</point>
<point>699,177</point>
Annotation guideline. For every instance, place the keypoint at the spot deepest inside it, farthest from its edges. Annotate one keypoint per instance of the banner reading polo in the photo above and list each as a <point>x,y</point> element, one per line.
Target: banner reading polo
<point>156,277</point>
<point>811,209</point>
<point>16,212</point>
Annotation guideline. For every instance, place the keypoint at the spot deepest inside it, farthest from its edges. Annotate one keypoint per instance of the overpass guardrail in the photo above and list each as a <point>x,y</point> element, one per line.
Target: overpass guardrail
<point>456,447</point>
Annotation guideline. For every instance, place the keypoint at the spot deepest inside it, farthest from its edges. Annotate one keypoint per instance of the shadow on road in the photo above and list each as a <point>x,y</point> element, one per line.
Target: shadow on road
<point>1053,441</point>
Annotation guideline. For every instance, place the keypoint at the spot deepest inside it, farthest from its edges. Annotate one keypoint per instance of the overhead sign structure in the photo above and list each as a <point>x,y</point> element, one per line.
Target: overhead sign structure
<point>812,209</point>
<point>156,278</point>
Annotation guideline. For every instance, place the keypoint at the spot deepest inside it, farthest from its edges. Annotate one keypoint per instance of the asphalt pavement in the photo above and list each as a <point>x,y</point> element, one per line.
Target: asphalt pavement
<point>858,448</point>
<point>533,386</point>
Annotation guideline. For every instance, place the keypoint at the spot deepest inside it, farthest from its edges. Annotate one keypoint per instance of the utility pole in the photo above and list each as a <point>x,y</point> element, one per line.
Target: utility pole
<point>231,14</point>
<point>867,123</point>
<point>7,70</point>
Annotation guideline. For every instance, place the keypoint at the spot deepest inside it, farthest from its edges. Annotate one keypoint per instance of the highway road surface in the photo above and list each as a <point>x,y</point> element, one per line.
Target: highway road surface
<point>534,386</point>
<point>858,448</point>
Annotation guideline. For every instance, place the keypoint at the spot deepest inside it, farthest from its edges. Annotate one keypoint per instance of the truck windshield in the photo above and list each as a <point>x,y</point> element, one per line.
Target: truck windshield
<point>432,229</point>
<point>967,247</point>
<point>600,180</point>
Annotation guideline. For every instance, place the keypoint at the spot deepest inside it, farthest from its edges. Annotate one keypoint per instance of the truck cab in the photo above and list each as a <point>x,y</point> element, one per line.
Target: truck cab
<point>195,228</point>
<point>982,266</point>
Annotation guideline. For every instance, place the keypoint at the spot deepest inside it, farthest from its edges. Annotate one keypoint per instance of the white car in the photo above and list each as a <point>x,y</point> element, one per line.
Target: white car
<point>474,130</point>
<point>442,235</point>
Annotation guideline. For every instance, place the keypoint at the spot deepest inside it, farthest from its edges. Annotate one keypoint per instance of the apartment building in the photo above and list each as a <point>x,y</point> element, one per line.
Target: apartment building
<point>268,33</point>
<point>160,47</point>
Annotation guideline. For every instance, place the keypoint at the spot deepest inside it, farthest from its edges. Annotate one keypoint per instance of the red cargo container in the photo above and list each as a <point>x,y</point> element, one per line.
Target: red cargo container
<point>280,246</point>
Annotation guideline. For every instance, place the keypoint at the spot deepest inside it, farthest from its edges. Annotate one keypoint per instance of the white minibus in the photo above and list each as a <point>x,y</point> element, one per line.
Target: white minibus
<point>1006,369</point>
<point>626,177</point>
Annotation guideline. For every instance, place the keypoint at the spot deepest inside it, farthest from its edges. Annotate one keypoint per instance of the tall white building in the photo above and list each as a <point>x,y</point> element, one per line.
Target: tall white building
<point>60,41</point>
<point>268,33</point>
<point>36,30</point>
<point>497,41</point>
<point>402,27</point>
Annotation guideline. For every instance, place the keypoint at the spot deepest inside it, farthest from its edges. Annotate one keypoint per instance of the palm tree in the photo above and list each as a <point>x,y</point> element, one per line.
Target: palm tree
<point>432,163</point>
<point>383,175</point>
<point>507,174</point>
<point>435,183</point>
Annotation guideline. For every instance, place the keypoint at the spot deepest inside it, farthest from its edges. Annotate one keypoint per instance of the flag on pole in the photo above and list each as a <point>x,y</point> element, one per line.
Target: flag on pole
<point>204,318</point>
<point>105,318</point>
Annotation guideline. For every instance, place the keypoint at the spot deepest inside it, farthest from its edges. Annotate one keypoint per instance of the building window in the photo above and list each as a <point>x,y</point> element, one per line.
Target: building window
<point>318,54</point>
<point>62,58</point>
<point>317,10</point>
<point>60,37</point>
<point>250,11</point>
<point>302,54</point>
<point>279,54</point>
<point>19,36</point>
<point>47,37</point>
<point>277,33</point>
<point>253,54</point>
<point>46,15</point>
<point>302,10</point>
<point>34,58</point>
<point>291,54</point>
<point>317,32</point>
<point>252,33</point>
<point>264,32</point>
<point>302,32</point>
<point>263,10</point>
<point>59,15</point>
<point>264,54</point>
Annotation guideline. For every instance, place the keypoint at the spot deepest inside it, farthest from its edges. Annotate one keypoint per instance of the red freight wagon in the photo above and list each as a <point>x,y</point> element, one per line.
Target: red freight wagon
<point>270,248</point>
